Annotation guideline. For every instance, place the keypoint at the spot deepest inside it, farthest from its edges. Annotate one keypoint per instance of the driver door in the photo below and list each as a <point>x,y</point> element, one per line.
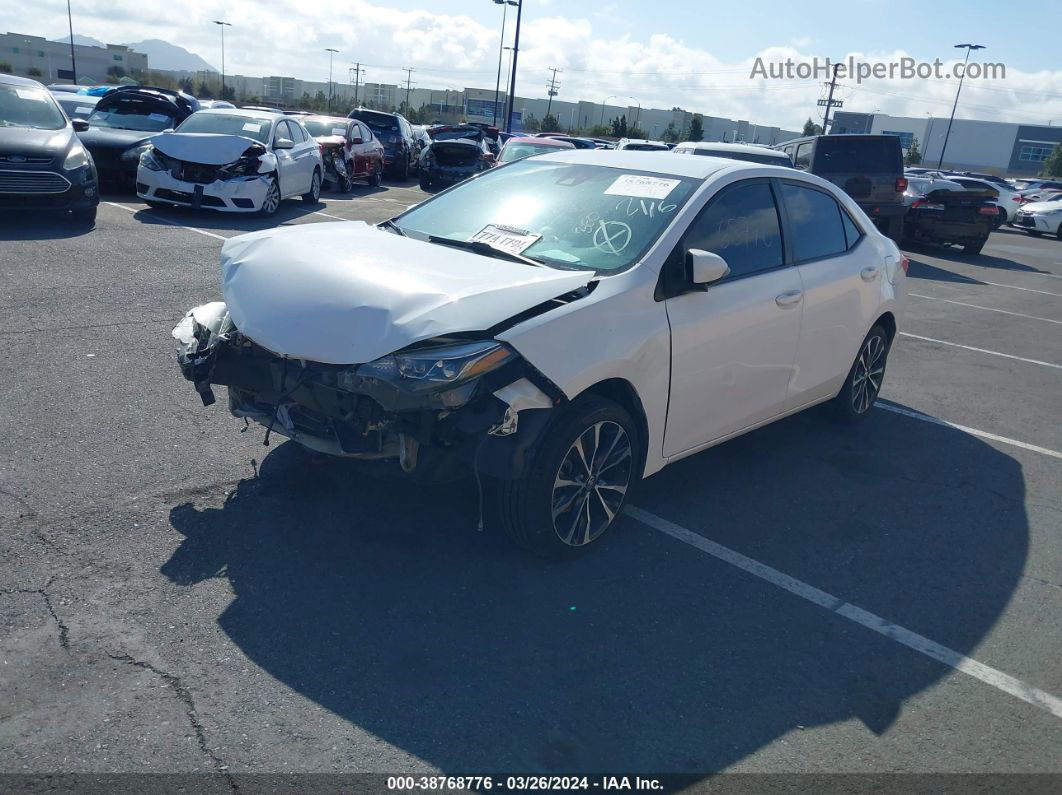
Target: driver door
<point>734,341</point>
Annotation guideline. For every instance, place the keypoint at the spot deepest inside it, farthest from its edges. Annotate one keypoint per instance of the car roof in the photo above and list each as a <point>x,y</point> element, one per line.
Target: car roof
<point>12,80</point>
<point>722,146</point>
<point>242,113</point>
<point>540,142</point>
<point>693,166</point>
<point>325,117</point>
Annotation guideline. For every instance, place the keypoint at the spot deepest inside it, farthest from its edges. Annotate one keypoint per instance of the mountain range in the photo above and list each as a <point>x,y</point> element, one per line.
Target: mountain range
<point>161,54</point>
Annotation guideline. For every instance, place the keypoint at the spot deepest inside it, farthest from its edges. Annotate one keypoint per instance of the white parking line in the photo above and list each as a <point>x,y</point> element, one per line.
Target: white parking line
<point>982,350</point>
<point>912,640</point>
<point>1023,289</point>
<point>972,431</point>
<point>986,308</point>
<point>326,215</point>
<point>171,223</point>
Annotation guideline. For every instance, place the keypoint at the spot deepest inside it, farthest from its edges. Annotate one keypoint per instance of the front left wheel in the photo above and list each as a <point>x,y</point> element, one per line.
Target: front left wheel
<point>863,384</point>
<point>576,483</point>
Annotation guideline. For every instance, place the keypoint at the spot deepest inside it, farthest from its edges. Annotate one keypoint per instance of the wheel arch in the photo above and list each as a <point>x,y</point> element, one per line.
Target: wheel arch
<point>622,392</point>
<point>887,320</point>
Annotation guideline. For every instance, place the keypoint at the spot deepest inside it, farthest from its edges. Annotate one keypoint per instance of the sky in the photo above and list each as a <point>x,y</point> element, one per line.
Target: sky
<point>664,53</point>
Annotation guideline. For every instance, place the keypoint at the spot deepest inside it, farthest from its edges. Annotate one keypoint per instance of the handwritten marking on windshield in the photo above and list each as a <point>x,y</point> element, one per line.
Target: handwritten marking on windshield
<point>612,237</point>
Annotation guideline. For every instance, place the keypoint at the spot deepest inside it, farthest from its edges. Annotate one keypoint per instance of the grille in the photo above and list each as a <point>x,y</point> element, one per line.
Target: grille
<point>198,173</point>
<point>32,182</point>
<point>24,159</point>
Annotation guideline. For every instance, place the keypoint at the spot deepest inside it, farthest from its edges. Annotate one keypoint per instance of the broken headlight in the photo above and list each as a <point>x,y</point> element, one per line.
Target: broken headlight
<point>150,160</point>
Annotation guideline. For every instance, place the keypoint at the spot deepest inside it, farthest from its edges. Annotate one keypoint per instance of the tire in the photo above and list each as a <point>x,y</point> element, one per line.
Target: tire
<point>271,203</point>
<point>404,173</point>
<point>1001,217</point>
<point>86,215</point>
<point>346,184</point>
<point>376,177</point>
<point>1033,232</point>
<point>894,229</point>
<point>565,470</point>
<point>155,204</point>
<point>973,248</point>
<point>314,196</point>
<point>425,182</point>
<point>854,402</point>
<point>1058,232</point>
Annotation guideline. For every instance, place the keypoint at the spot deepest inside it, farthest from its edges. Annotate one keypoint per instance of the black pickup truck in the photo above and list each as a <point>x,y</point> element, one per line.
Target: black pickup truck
<point>947,216</point>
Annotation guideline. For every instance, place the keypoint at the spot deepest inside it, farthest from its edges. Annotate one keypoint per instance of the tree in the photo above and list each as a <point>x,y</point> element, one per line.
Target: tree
<point>811,128</point>
<point>599,131</point>
<point>671,134</point>
<point>33,71</point>
<point>619,127</point>
<point>550,123</point>
<point>5,68</point>
<point>186,85</point>
<point>913,156</point>
<point>696,127</point>
<point>116,72</point>
<point>1053,164</point>
<point>531,124</point>
<point>637,132</point>
<point>204,91</point>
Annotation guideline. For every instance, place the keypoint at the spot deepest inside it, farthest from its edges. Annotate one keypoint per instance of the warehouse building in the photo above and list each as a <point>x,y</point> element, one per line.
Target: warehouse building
<point>49,61</point>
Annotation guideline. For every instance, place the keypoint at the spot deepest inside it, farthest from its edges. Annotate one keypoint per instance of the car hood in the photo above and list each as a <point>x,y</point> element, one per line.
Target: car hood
<point>1041,207</point>
<point>330,140</point>
<point>208,148</point>
<point>113,138</point>
<point>34,143</point>
<point>349,293</point>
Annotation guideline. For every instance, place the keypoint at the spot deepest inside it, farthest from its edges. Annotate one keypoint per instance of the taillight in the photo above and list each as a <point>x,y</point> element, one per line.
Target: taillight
<point>905,263</point>
<point>901,184</point>
<point>1016,199</point>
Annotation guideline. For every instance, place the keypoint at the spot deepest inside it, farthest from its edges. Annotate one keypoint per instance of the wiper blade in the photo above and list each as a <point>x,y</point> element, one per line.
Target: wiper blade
<point>479,247</point>
<point>390,224</point>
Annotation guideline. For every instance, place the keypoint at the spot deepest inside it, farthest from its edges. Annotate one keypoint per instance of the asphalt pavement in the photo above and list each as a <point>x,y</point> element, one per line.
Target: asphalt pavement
<point>808,598</point>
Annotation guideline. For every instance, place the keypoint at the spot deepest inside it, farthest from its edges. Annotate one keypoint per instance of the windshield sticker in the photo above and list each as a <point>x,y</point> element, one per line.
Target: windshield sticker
<point>642,187</point>
<point>505,238</point>
<point>252,126</point>
<point>612,237</point>
<point>83,109</point>
<point>158,117</point>
<point>30,93</point>
<point>338,131</point>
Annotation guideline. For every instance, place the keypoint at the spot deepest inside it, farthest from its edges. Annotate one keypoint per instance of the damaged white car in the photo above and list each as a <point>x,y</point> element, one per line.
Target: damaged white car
<point>559,327</point>
<point>233,161</point>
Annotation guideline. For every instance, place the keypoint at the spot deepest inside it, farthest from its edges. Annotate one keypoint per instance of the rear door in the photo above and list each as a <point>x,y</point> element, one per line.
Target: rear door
<point>733,342</point>
<point>306,152</point>
<point>840,275</point>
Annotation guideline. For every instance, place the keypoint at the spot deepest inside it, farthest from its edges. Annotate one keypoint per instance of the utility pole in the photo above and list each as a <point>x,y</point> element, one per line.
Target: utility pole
<point>829,101</point>
<point>551,89</point>
<point>409,70</point>
<point>940,161</point>
<point>355,72</point>
<point>330,52</point>
<point>73,61</point>
<point>512,77</point>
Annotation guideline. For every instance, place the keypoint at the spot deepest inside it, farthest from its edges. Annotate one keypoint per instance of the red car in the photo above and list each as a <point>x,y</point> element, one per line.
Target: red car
<point>349,150</point>
<point>519,148</point>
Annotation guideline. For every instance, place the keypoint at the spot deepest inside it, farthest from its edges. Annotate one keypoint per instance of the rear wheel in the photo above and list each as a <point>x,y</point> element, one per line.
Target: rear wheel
<point>893,229</point>
<point>576,483</point>
<point>863,384</point>
<point>314,196</point>
<point>425,182</point>
<point>973,248</point>
<point>376,177</point>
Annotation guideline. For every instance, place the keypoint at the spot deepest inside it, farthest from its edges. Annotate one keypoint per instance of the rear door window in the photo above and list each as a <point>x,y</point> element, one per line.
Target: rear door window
<point>814,223</point>
<point>845,154</point>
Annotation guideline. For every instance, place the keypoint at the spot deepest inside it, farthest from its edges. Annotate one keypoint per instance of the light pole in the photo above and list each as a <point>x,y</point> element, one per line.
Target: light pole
<point>501,49</point>
<point>223,26</point>
<point>966,60</point>
<point>601,121</point>
<point>512,77</point>
<point>330,52</point>
<point>73,61</point>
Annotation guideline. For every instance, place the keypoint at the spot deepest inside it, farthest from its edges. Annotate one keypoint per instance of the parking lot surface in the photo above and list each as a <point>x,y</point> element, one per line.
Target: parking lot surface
<point>178,597</point>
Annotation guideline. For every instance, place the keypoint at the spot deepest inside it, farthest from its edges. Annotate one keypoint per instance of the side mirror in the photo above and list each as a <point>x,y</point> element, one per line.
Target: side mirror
<point>357,140</point>
<point>705,267</point>
<point>283,143</point>
<point>490,157</point>
<point>79,125</point>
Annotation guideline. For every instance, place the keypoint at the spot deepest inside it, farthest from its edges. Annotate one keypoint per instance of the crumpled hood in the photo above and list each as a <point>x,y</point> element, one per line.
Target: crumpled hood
<point>113,138</point>
<point>348,293</point>
<point>335,141</point>
<point>210,149</point>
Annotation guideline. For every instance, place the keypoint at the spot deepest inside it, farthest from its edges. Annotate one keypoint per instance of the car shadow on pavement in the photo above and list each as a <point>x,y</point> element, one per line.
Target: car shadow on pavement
<point>289,210</point>
<point>919,269</point>
<point>40,225</point>
<point>378,600</point>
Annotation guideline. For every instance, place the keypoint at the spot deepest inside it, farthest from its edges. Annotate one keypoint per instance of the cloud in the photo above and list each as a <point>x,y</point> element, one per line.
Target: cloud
<point>451,50</point>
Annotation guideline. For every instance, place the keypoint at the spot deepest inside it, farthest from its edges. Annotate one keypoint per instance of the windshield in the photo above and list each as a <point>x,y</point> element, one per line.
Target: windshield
<point>512,152</point>
<point>645,148</point>
<point>226,124</point>
<point>564,215</point>
<point>29,107</point>
<point>748,157</point>
<point>132,116</point>
<point>322,127</point>
<point>380,122</point>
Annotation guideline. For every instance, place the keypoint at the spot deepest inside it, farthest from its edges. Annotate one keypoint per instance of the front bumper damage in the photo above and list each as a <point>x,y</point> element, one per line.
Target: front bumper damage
<point>235,195</point>
<point>490,423</point>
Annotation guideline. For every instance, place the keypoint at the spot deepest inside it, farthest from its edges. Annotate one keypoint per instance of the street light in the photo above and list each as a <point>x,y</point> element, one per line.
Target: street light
<point>501,48</point>
<point>330,52</point>
<point>601,121</point>
<point>512,77</point>
<point>223,26</point>
<point>73,60</point>
<point>966,60</point>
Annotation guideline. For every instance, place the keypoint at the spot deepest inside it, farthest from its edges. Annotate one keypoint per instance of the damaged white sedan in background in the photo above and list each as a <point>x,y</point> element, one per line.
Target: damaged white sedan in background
<point>233,161</point>
<point>560,327</point>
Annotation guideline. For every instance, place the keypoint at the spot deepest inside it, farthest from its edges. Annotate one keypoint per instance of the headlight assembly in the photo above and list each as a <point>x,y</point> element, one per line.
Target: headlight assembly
<point>77,158</point>
<point>149,159</point>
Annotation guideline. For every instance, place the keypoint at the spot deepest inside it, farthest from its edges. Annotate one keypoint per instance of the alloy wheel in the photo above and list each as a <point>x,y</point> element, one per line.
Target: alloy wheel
<point>868,373</point>
<point>315,187</point>
<point>591,483</point>
<point>272,199</point>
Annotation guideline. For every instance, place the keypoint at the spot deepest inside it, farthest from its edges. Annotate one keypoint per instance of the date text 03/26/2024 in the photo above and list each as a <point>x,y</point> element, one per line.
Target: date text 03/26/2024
<point>522,783</point>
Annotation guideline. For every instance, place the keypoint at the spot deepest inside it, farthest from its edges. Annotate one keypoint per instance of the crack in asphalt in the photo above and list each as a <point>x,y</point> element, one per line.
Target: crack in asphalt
<point>184,695</point>
<point>64,631</point>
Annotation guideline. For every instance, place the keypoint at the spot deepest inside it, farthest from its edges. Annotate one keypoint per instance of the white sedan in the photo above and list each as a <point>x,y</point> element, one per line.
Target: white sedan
<point>233,161</point>
<point>1041,217</point>
<point>560,327</point>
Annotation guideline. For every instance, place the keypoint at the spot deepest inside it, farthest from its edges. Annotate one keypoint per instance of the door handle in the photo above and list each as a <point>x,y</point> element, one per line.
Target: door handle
<point>869,274</point>
<point>789,298</point>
